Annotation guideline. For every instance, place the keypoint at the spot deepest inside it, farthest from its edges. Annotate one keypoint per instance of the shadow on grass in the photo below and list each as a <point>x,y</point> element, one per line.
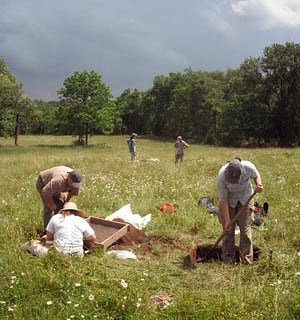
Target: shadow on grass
<point>58,146</point>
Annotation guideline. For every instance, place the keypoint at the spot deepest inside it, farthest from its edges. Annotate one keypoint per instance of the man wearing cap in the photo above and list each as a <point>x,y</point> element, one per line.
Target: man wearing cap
<point>132,146</point>
<point>234,189</point>
<point>180,145</point>
<point>56,186</point>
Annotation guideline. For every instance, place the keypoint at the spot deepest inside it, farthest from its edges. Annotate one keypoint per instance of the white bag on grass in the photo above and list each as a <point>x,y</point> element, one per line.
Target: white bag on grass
<point>126,214</point>
<point>36,248</point>
<point>122,254</point>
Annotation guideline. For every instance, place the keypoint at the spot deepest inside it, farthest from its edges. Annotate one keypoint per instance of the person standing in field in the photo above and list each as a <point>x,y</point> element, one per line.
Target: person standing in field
<point>57,186</point>
<point>180,146</point>
<point>132,146</point>
<point>234,189</point>
<point>68,228</point>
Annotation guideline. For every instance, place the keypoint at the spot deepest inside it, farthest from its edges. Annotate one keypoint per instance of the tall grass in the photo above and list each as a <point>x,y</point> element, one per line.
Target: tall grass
<point>56,287</point>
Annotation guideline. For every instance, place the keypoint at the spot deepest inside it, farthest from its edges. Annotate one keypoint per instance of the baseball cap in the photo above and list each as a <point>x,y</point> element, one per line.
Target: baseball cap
<point>233,171</point>
<point>76,178</point>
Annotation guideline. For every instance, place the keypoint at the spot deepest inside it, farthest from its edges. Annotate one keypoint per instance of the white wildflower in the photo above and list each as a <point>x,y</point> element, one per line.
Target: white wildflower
<point>124,283</point>
<point>49,303</point>
<point>77,284</point>
<point>285,292</point>
<point>91,297</point>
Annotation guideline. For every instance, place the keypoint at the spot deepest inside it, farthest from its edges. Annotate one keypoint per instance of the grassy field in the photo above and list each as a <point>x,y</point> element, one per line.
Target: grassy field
<point>100,287</point>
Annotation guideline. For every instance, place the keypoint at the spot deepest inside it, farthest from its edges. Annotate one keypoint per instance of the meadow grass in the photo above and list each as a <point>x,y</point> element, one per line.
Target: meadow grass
<point>99,287</point>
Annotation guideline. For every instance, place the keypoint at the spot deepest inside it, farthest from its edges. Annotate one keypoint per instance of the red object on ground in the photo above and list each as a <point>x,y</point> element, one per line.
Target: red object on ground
<point>166,207</point>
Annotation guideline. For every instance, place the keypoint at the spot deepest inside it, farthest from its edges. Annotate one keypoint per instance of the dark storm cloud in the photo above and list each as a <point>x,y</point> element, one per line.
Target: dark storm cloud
<point>129,42</point>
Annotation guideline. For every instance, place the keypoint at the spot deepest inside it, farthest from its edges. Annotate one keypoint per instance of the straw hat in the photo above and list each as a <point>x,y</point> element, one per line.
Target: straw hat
<point>73,207</point>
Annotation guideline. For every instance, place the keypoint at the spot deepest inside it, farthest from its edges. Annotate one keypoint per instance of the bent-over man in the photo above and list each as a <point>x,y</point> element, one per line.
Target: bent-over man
<point>56,186</point>
<point>234,189</point>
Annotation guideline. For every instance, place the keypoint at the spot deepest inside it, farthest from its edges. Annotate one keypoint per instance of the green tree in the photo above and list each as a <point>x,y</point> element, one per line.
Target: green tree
<point>245,116</point>
<point>15,108</point>
<point>130,107</point>
<point>46,119</point>
<point>281,67</point>
<point>86,105</point>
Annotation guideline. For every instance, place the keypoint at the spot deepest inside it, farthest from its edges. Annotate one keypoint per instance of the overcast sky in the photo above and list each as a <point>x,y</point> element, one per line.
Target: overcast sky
<point>129,42</point>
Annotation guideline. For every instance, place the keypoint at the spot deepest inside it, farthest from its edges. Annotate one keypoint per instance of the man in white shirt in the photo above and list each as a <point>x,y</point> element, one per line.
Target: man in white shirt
<point>234,189</point>
<point>68,229</point>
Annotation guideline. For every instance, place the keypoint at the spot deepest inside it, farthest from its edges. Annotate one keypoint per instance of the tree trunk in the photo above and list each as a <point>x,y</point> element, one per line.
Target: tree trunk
<point>86,134</point>
<point>17,130</point>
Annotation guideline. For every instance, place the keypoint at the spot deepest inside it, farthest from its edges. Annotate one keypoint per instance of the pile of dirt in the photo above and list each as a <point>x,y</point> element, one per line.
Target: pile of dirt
<point>134,236</point>
<point>145,244</point>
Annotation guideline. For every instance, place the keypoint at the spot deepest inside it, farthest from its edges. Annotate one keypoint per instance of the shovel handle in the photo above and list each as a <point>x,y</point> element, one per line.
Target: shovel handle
<point>235,219</point>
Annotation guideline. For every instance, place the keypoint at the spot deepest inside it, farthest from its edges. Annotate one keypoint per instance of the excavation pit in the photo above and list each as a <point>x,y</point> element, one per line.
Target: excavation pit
<point>207,253</point>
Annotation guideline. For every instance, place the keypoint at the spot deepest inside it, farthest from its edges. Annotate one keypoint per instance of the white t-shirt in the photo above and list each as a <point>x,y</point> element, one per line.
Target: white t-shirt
<point>69,232</point>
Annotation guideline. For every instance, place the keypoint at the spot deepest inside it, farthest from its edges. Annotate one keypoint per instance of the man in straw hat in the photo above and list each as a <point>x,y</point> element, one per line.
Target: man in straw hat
<point>68,229</point>
<point>56,186</point>
<point>234,189</point>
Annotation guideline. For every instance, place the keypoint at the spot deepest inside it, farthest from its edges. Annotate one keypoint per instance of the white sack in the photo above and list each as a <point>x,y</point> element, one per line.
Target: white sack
<point>122,254</point>
<point>126,214</point>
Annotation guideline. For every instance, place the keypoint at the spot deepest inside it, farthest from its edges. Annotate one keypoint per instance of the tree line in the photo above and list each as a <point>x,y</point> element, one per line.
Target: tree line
<point>257,104</point>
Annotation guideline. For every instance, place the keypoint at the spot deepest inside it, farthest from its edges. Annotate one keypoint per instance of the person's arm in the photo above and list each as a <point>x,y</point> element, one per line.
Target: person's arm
<point>258,184</point>
<point>49,236</point>
<point>255,175</point>
<point>89,233</point>
<point>52,188</point>
<point>91,238</point>
<point>49,201</point>
<point>69,196</point>
<point>185,144</point>
<point>223,200</point>
<point>50,229</point>
<point>224,210</point>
